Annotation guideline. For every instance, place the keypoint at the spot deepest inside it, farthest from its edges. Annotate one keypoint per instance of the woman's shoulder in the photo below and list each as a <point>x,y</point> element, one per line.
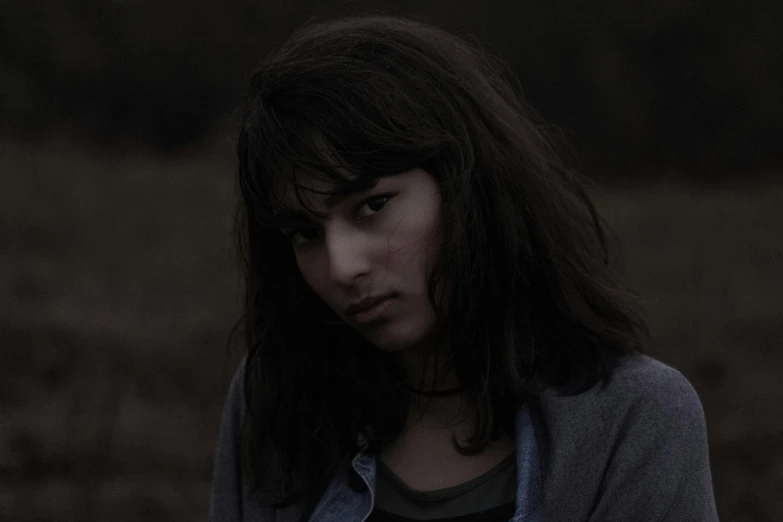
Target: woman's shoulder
<point>645,403</point>
<point>617,440</point>
<point>638,384</point>
<point>236,388</point>
<point>643,375</point>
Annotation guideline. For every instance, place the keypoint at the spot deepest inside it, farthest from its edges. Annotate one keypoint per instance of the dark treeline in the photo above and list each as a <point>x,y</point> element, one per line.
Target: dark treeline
<point>634,86</point>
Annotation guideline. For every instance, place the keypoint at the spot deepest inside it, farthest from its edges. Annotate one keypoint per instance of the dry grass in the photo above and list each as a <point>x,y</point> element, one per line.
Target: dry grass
<point>121,290</point>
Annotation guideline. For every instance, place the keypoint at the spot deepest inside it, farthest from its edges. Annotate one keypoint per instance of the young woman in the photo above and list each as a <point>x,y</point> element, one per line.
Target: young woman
<point>434,331</point>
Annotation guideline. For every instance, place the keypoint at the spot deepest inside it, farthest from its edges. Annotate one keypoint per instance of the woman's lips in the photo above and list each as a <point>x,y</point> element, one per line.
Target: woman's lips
<point>375,312</point>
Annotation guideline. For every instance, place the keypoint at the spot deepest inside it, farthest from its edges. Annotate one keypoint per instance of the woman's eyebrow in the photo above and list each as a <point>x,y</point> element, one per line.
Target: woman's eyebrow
<point>342,193</point>
<point>331,201</point>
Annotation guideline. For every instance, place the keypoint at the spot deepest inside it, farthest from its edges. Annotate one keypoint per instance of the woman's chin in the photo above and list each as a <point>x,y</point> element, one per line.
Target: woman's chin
<point>396,334</point>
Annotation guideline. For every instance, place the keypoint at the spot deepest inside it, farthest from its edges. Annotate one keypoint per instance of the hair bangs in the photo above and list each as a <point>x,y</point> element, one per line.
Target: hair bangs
<point>330,129</point>
<point>300,164</point>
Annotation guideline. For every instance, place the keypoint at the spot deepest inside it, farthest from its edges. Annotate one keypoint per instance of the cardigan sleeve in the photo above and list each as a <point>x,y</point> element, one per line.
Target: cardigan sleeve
<point>232,500</point>
<point>226,501</point>
<point>659,466</point>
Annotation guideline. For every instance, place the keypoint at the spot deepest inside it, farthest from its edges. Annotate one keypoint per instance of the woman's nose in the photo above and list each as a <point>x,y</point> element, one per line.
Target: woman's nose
<point>347,255</point>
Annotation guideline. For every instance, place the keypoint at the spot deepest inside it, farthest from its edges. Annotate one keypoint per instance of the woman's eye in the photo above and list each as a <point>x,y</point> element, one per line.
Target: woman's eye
<point>299,236</point>
<point>374,204</point>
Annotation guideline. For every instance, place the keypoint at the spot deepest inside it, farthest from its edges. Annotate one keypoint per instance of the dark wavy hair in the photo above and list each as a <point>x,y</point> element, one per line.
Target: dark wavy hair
<point>526,299</point>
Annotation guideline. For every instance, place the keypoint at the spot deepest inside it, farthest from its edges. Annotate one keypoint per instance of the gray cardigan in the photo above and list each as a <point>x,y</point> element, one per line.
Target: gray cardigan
<point>635,451</point>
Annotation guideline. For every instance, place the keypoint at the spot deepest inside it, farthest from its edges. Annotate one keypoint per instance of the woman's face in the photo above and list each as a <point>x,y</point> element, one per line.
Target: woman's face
<point>374,244</point>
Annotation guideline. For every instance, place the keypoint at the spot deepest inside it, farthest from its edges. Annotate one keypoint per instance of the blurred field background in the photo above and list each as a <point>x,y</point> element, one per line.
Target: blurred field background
<point>119,283</point>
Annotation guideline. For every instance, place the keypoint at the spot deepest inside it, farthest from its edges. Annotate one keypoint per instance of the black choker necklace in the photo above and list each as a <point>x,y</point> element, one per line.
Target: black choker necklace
<point>436,393</point>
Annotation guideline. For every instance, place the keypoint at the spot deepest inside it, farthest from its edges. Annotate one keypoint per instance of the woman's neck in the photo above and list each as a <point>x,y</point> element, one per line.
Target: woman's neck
<point>439,412</point>
<point>428,408</point>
